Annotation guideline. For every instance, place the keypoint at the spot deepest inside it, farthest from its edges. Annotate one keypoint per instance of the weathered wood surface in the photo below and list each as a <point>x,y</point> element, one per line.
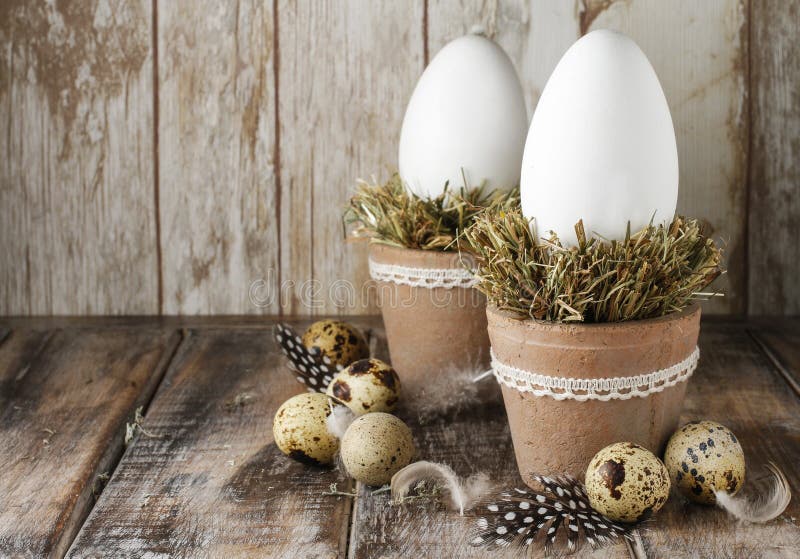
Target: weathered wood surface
<point>77,210</point>
<point>737,385</point>
<point>734,384</point>
<point>470,433</point>
<point>346,72</point>
<point>471,439</point>
<point>64,398</point>
<point>780,341</point>
<point>774,217</point>
<point>208,479</point>
<point>698,50</point>
<point>217,156</point>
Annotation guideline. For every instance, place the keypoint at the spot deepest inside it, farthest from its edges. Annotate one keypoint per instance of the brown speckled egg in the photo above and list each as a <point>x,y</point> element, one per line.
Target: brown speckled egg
<point>626,482</point>
<point>301,432</point>
<point>339,342</point>
<point>703,457</point>
<point>375,447</point>
<point>367,385</point>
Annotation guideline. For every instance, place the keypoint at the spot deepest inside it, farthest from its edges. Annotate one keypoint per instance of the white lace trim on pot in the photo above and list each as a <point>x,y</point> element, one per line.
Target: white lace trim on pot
<point>422,277</point>
<point>603,389</point>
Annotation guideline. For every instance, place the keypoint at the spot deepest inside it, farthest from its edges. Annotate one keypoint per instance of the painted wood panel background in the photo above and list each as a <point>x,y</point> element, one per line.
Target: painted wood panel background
<point>217,165</point>
<point>774,216</point>
<point>193,157</point>
<point>77,211</point>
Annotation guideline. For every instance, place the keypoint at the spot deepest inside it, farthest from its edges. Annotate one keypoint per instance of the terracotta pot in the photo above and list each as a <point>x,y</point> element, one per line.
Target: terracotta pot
<point>430,331</point>
<point>553,436</point>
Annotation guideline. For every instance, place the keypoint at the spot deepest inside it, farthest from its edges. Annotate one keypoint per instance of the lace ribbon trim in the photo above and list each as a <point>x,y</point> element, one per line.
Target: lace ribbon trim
<point>422,277</point>
<point>603,389</point>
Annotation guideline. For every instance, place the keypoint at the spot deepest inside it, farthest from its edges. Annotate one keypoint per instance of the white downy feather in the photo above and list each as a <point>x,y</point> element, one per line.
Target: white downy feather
<point>762,509</point>
<point>463,493</point>
<point>452,391</point>
<point>339,420</point>
<point>372,341</point>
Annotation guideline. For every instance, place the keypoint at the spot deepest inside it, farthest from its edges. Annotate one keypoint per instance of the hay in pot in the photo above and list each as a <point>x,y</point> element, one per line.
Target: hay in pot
<point>651,273</point>
<point>390,214</point>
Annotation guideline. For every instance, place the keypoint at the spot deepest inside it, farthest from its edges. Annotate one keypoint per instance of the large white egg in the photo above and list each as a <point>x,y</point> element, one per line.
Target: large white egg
<point>466,113</point>
<point>601,145</point>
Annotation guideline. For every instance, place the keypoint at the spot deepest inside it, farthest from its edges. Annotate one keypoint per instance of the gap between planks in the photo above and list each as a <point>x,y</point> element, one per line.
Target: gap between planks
<point>108,465</point>
<point>351,522</point>
<point>156,166</point>
<point>782,370</point>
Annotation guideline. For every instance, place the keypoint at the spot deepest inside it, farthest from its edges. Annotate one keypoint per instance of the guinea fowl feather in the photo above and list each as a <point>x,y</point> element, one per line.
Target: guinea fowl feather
<point>311,368</point>
<point>559,515</point>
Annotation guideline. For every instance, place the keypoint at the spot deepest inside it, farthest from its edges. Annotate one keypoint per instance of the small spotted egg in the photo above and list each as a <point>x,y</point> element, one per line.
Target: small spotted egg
<point>626,482</point>
<point>338,341</point>
<point>375,447</point>
<point>301,432</point>
<point>367,385</point>
<point>703,457</point>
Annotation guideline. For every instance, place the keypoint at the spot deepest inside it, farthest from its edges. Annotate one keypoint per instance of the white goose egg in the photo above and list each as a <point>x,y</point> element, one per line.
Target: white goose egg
<point>601,145</point>
<point>467,113</point>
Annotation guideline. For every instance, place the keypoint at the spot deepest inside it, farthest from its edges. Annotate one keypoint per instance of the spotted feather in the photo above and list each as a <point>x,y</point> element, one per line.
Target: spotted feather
<point>560,516</point>
<point>311,368</point>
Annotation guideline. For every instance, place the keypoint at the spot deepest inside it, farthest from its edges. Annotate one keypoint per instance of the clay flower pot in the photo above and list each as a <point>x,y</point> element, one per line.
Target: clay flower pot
<point>560,414</point>
<point>435,320</point>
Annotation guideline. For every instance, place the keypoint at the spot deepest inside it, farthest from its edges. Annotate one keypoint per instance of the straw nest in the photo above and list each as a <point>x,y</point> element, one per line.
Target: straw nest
<point>653,272</point>
<point>390,214</point>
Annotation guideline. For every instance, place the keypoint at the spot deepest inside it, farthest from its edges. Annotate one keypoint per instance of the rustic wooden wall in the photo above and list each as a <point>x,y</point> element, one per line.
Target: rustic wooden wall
<point>774,204</point>
<point>192,157</point>
<point>78,215</point>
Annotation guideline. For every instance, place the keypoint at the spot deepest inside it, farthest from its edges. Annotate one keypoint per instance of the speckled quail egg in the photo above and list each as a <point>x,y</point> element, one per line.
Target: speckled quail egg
<point>626,482</point>
<point>301,432</point>
<point>367,385</point>
<point>703,457</point>
<point>375,447</point>
<point>338,341</point>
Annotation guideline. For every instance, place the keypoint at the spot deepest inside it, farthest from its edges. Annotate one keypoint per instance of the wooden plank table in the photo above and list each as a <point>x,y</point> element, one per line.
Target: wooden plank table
<point>202,476</point>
